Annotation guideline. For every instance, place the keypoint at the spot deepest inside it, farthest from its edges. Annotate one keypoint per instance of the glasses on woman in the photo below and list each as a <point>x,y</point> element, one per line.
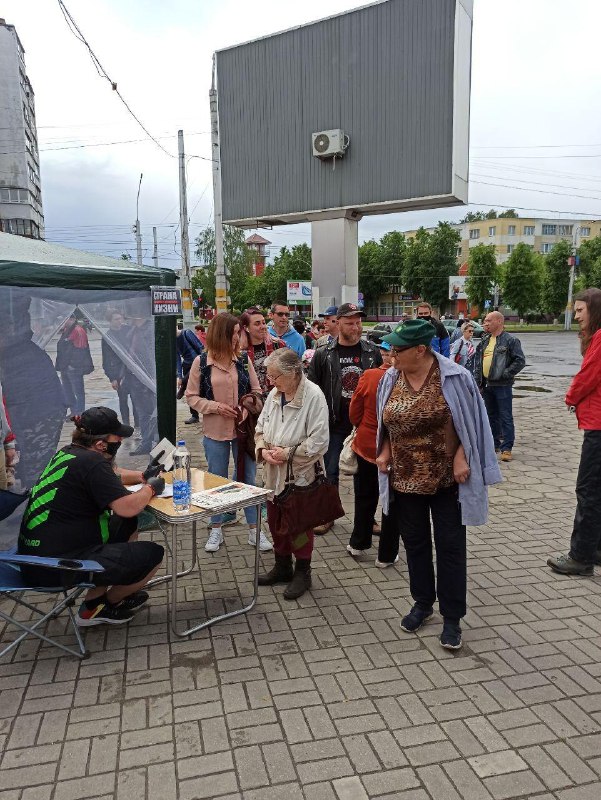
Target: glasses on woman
<point>396,350</point>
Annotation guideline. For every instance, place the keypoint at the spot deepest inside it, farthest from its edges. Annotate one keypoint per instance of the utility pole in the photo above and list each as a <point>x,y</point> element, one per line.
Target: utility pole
<point>572,262</point>
<point>137,226</point>
<point>188,313</point>
<point>221,282</point>
<point>155,250</point>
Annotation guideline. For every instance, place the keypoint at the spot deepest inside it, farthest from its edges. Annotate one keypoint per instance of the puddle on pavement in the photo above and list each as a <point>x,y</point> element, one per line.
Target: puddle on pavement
<point>533,389</point>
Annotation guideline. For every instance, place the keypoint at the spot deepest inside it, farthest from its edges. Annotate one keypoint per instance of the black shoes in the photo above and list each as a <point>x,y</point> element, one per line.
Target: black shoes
<point>135,601</point>
<point>281,572</point>
<point>565,565</point>
<point>450,638</point>
<point>415,619</point>
<point>191,420</point>
<point>301,580</point>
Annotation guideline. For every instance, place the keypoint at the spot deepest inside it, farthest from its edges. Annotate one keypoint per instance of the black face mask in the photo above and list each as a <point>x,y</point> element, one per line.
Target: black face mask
<point>427,319</point>
<point>112,447</point>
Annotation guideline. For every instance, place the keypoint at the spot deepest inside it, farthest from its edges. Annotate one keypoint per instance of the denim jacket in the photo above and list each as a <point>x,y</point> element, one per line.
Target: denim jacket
<point>507,360</point>
<point>473,429</point>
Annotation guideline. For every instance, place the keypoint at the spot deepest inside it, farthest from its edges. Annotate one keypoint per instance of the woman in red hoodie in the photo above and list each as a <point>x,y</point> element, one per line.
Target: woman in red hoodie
<point>584,396</point>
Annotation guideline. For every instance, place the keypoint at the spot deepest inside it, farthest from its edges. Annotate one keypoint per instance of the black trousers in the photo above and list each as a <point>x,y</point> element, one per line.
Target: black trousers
<point>412,513</point>
<point>586,535</point>
<point>366,489</point>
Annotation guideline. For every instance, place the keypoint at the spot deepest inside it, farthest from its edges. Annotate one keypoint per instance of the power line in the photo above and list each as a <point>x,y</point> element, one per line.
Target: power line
<point>537,191</point>
<point>527,146</point>
<point>74,28</point>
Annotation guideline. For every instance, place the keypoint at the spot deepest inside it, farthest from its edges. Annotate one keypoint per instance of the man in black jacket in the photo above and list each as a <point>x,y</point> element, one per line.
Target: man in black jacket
<point>498,360</point>
<point>336,369</point>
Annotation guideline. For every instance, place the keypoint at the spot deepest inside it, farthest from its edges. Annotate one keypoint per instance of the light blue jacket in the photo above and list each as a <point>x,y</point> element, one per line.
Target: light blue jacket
<point>473,429</point>
<point>292,339</point>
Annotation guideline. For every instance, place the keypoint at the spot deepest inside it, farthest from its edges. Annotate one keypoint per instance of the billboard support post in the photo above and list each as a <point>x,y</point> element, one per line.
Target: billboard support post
<point>221,283</point>
<point>335,260</point>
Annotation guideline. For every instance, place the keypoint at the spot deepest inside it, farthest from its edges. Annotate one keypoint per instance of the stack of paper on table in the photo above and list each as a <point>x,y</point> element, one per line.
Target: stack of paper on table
<point>226,495</point>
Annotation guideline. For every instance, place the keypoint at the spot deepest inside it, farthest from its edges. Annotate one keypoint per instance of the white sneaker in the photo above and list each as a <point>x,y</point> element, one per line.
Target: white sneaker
<point>384,564</point>
<point>214,541</point>
<point>264,543</point>
<point>353,551</point>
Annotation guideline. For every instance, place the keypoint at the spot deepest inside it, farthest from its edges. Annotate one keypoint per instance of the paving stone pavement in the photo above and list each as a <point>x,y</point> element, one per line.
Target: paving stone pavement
<point>326,698</point>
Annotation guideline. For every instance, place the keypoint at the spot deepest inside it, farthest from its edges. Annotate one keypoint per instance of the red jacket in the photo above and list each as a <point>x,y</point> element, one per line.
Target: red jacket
<point>363,415</point>
<point>585,390</point>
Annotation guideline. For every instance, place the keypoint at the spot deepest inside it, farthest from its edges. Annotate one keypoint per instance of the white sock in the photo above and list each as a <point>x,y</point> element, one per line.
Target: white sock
<point>252,531</point>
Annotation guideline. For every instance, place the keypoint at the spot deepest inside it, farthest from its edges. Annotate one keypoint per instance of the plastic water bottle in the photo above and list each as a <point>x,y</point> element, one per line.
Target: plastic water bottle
<point>182,484</point>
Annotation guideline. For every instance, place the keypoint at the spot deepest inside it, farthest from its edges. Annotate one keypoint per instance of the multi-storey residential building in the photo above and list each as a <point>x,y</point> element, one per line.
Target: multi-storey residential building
<point>540,234</point>
<point>20,186</point>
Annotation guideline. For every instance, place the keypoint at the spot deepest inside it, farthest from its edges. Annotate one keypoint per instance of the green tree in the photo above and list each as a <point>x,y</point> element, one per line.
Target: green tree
<point>238,259</point>
<point>372,281</point>
<point>509,214</point>
<point>430,259</point>
<point>556,278</point>
<point>483,274</point>
<point>125,257</point>
<point>289,265</point>
<point>590,262</point>
<point>523,280</point>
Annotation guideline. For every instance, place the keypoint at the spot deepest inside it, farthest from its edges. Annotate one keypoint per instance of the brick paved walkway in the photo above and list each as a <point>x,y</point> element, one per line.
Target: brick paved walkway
<point>326,698</point>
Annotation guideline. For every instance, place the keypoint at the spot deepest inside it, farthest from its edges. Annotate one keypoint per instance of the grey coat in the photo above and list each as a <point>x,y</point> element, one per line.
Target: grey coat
<point>473,429</point>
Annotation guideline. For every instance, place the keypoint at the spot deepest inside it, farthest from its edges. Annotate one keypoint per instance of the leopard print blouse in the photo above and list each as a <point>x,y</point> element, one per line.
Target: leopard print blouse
<point>420,428</point>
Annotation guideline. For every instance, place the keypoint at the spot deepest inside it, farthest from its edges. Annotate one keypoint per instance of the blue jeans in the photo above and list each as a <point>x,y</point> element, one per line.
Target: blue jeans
<point>218,462</point>
<point>332,456</point>
<point>498,402</point>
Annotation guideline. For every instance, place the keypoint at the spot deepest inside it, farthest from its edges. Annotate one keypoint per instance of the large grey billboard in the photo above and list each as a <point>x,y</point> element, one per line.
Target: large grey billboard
<point>393,76</point>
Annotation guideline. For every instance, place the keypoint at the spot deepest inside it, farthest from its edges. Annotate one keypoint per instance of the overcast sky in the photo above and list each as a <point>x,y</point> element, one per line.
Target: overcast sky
<point>535,114</point>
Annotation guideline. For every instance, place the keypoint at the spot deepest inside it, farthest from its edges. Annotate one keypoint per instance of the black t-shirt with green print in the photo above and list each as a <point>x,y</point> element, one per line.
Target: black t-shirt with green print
<point>68,510</point>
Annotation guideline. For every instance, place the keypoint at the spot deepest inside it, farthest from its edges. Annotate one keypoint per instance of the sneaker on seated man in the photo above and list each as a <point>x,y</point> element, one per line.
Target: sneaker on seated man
<point>80,508</point>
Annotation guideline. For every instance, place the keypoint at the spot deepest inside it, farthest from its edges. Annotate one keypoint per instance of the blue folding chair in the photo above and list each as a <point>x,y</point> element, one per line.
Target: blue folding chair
<point>13,587</point>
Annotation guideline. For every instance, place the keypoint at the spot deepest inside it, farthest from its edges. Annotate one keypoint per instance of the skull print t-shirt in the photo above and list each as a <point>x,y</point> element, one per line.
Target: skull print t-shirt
<point>350,372</point>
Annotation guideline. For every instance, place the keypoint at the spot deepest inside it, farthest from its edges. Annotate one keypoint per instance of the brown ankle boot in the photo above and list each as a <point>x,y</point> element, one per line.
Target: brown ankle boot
<point>301,580</point>
<point>281,572</point>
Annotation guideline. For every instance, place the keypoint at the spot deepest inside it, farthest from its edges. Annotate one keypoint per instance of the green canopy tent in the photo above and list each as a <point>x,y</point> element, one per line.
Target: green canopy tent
<point>40,298</point>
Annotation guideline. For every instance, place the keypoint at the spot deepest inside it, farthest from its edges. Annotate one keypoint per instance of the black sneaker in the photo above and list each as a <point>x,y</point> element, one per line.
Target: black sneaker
<point>191,421</point>
<point>566,565</point>
<point>103,614</point>
<point>450,638</point>
<point>416,618</point>
<point>135,601</point>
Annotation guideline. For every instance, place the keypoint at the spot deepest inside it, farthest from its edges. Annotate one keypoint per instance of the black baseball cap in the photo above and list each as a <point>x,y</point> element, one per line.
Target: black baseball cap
<point>100,421</point>
<point>350,310</point>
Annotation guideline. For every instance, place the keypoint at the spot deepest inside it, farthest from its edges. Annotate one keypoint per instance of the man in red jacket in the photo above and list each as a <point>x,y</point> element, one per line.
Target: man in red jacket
<point>584,396</point>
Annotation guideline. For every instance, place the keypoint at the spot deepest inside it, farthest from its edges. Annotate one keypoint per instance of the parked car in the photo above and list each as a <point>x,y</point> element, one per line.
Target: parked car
<point>379,330</point>
<point>451,325</point>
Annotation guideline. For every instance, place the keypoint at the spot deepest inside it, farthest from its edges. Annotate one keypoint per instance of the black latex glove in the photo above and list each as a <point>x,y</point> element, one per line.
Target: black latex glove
<point>156,484</point>
<point>154,468</point>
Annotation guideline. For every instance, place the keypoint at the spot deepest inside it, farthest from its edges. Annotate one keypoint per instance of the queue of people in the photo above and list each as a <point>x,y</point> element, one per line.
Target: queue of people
<point>427,433</point>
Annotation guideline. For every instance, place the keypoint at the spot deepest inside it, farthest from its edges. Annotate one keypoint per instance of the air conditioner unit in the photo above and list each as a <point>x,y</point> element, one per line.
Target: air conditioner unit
<point>330,144</point>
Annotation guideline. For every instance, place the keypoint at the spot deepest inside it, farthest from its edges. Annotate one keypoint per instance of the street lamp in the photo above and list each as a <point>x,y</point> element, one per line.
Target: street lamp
<point>138,232</point>
<point>572,262</point>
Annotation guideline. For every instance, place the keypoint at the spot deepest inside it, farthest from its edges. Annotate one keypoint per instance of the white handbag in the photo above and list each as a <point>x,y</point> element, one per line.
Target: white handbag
<point>348,458</point>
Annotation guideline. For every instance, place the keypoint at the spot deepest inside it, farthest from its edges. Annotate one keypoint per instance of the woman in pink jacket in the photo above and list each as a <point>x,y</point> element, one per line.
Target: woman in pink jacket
<point>584,397</point>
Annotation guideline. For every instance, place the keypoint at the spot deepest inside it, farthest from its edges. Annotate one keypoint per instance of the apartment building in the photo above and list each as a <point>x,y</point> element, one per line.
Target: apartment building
<point>540,234</point>
<point>21,210</point>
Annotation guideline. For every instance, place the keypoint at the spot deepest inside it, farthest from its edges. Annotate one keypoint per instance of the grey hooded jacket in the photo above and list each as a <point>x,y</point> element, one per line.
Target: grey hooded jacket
<point>473,429</point>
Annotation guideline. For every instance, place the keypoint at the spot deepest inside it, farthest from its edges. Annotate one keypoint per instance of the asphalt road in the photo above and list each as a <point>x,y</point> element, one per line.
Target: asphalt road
<point>551,360</point>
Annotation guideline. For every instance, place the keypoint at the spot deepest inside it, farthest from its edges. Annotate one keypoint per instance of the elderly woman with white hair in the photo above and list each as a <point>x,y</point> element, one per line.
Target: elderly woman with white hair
<point>293,425</point>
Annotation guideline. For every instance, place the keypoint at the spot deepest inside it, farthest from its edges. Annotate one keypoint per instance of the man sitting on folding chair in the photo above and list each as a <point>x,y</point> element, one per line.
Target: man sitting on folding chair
<point>69,516</point>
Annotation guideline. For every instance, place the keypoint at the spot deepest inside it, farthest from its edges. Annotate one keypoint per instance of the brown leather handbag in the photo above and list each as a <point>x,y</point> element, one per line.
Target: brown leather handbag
<point>299,508</point>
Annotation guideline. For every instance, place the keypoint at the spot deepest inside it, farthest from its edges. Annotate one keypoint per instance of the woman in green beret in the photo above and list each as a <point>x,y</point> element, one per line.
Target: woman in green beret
<point>435,457</point>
